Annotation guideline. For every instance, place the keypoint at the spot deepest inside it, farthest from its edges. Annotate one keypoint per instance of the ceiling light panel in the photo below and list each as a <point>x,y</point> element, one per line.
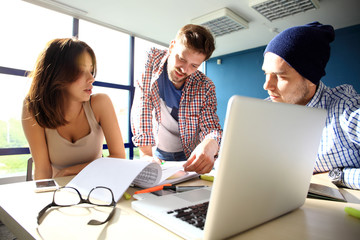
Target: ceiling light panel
<point>275,9</point>
<point>221,22</point>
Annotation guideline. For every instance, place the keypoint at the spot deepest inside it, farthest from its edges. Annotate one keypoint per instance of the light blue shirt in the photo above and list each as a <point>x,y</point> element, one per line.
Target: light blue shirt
<point>340,143</point>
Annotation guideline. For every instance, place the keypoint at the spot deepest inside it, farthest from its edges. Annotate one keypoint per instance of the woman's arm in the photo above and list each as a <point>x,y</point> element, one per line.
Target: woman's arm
<point>73,170</point>
<point>35,136</point>
<point>105,115</point>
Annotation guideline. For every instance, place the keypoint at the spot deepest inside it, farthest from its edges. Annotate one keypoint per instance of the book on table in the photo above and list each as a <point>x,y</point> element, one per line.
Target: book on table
<point>118,174</point>
<point>320,191</point>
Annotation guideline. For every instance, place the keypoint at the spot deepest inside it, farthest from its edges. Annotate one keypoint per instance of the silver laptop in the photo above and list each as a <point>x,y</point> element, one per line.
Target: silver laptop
<point>266,160</point>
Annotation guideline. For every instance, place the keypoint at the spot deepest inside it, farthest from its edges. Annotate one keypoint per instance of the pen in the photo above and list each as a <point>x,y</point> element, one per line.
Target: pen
<point>182,188</point>
<point>152,189</point>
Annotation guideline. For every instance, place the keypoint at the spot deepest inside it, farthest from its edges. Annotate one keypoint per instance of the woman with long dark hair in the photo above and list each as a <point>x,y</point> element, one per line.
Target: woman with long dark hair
<point>63,122</point>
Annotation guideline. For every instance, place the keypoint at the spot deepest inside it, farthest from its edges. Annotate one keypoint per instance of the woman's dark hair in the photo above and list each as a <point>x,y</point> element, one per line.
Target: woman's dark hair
<point>56,67</point>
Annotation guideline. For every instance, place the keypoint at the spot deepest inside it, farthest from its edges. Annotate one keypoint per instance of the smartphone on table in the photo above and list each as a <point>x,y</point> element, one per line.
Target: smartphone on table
<point>45,185</point>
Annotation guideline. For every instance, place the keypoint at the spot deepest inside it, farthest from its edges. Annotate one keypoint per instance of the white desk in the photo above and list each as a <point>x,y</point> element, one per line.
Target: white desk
<point>19,206</point>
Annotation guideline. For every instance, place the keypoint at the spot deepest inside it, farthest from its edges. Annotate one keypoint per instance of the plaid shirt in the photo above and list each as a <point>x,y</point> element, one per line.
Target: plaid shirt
<point>340,143</point>
<point>197,111</point>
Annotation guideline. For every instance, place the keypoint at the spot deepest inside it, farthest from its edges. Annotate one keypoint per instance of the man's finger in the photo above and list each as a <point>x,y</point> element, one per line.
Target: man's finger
<point>189,161</point>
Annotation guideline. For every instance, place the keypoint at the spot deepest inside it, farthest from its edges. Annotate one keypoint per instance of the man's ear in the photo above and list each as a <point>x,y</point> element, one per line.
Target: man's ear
<point>172,44</point>
<point>311,86</point>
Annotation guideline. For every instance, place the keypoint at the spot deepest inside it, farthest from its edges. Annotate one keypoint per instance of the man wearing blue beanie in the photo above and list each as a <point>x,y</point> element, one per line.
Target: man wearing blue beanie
<point>294,63</point>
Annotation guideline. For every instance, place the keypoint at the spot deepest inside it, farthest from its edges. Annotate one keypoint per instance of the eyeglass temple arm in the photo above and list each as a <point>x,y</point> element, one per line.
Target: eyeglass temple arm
<point>96,222</point>
<point>43,211</point>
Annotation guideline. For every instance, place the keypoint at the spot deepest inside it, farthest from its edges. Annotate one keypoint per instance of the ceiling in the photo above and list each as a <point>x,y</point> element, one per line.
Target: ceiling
<point>159,20</point>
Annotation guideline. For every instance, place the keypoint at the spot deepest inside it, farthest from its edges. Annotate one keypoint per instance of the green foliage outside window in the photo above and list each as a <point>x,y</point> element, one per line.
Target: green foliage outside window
<point>11,134</point>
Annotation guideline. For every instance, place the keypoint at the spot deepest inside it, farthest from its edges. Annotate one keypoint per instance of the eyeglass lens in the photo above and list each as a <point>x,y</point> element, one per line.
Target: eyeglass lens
<point>66,197</point>
<point>101,196</point>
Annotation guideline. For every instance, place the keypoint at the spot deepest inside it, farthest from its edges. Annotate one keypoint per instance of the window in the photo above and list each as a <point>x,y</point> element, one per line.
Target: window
<point>120,100</point>
<point>112,55</point>
<point>25,31</point>
<point>111,49</point>
<point>142,47</point>
<point>24,34</point>
<point>12,92</point>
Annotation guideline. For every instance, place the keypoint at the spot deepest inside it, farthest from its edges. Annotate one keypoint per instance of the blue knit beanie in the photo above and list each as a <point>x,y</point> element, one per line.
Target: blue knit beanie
<point>305,48</point>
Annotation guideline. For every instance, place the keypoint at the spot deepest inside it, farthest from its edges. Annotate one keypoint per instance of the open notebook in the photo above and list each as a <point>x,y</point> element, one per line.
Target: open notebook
<point>267,156</point>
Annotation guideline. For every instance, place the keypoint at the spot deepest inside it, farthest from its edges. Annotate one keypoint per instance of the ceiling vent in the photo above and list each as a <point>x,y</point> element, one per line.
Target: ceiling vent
<point>275,9</point>
<point>221,22</point>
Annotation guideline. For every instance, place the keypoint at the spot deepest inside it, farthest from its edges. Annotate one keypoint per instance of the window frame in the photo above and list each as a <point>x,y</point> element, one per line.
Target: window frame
<point>130,88</point>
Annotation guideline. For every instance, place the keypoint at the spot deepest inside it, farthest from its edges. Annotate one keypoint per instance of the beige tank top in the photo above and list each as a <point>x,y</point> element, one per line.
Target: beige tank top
<point>64,153</point>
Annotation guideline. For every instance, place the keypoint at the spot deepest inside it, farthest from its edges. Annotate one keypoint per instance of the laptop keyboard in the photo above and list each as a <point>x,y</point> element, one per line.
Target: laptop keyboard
<point>194,215</point>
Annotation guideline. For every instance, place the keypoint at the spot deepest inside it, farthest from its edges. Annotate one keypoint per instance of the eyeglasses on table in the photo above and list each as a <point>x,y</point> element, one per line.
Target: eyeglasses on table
<point>70,196</point>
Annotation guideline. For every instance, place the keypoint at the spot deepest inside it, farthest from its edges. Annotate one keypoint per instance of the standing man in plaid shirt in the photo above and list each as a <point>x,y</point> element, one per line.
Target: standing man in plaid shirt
<point>294,62</point>
<point>175,104</point>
